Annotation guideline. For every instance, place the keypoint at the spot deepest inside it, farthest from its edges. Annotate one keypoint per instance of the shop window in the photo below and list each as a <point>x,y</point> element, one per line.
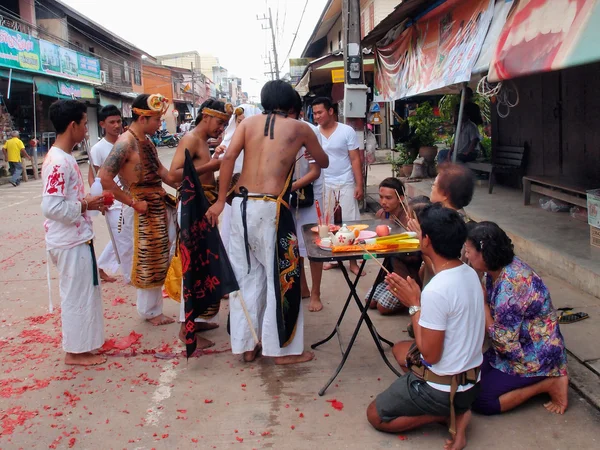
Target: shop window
<point>116,74</point>
<point>137,74</point>
<point>126,75</point>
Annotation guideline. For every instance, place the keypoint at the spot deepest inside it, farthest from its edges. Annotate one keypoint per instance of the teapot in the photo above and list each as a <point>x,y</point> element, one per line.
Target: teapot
<point>344,236</point>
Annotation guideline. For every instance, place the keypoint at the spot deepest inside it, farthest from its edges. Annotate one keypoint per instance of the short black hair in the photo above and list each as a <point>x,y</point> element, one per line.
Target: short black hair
<point>493,243</point>
<point>63,112</point>
<point>140,102</point>
<point>297,103</point>
<point>277,95</point>
<point>457,182</point>
<point>418,203</point>
<point>211,103</point>
<point>445,228</point>
<point>107,111</point>
<point>393,183</point>
<point>325,101</point>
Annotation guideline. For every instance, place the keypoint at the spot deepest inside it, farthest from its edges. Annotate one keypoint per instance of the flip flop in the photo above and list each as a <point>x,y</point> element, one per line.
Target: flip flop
<point>569,317</point>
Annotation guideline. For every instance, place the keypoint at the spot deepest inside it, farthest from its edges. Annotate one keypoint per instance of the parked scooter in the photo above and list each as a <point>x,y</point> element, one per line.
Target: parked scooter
<point>164,138</point>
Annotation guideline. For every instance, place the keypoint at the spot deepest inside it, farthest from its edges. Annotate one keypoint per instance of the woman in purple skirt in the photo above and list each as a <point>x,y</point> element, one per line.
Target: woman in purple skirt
<point>527,355</point>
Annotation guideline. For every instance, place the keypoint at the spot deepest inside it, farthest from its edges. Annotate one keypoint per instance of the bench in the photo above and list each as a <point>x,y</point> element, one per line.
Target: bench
<point>556,187</point>
<point>505,159</point>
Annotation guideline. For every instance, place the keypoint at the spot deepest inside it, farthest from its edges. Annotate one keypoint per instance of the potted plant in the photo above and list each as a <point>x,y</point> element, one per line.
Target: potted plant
<point>425,125</point>
<point>402,164</point>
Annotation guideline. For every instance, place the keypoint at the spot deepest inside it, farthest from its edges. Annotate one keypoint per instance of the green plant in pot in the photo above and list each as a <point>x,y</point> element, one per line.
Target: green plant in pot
<point>425,125</point>
<point>402,161</point>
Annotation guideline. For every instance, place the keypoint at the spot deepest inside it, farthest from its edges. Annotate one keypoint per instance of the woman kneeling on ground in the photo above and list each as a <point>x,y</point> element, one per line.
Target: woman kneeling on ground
<point>527,356</point>
<point>391,194</point>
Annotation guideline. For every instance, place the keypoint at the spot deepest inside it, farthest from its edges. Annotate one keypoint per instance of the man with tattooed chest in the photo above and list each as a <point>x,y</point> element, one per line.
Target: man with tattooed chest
<point>148,212</point>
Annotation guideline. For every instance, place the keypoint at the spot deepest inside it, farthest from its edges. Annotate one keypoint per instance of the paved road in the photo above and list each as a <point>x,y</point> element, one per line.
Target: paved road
<point>141,401</point>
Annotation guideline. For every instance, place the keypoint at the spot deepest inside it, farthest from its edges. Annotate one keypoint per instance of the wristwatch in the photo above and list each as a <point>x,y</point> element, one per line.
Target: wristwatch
<point>413,310</point>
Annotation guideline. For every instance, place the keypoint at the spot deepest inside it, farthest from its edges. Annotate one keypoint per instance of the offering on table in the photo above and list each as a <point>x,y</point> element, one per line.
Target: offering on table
<point>331,227</point>
<point>382,230</point>
<point>344,236</point>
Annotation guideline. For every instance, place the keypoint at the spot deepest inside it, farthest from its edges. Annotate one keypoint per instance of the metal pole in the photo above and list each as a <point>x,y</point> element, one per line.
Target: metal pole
<point>274,46</point>
<point>193,95</point>
<point>9,84</point>
<point>459,124</point>
<point>35,140</point>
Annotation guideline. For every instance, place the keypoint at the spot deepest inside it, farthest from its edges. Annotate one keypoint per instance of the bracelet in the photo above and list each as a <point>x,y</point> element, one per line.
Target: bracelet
<point>86,205</point>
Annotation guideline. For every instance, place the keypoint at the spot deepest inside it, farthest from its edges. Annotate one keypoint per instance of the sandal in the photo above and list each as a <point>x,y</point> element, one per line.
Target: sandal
<point>571,317</point>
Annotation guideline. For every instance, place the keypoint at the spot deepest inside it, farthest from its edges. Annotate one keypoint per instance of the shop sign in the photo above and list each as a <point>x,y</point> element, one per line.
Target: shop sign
<point>21,51</point>
<point>439,50</point>
<point>337,76</point>
<point>75,90</point>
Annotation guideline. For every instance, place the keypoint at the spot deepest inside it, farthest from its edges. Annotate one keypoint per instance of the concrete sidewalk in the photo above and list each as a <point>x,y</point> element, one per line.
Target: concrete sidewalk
<point>580,337</point>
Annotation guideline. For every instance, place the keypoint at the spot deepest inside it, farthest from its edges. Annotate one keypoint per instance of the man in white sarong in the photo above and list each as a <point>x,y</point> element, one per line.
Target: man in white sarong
<point>344,176</point>
<point>109,119</point>
<point>240,113</point>
<point>263,246</point>
<point>149,214</point>
<point>307,172</point>
<point>69,236</point>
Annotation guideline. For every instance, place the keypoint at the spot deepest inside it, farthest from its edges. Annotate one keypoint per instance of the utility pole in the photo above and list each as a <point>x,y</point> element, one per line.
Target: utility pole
<point>193,95</point>
<point>353,63</point>
<point>274,69</point>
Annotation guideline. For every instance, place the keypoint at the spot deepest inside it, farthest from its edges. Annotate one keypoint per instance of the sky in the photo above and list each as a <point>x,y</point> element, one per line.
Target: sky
<point>227,29</point>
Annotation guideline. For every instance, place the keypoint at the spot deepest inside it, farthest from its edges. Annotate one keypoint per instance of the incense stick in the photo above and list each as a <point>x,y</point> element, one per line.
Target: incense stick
<point>373,257</point>
<point>412,214</point>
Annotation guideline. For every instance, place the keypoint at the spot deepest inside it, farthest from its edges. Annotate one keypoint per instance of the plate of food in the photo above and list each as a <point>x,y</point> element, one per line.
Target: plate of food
<point>332,228</point>
<point>365,234</point>
<point>359,227</point>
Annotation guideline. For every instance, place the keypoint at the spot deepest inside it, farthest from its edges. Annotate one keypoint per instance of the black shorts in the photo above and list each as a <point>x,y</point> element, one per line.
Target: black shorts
<point>410,396</point>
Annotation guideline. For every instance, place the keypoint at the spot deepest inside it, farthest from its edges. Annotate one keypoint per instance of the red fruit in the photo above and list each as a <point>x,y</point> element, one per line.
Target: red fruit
<point>109,198</point>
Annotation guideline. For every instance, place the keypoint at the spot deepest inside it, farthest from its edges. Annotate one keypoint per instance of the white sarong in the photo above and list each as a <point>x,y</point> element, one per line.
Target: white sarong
<point>350,208</point>
<point>305,216</point>
<point>258,286</point>
<point>81,302</point>
<point>149,301</point>
<point>108,260</point>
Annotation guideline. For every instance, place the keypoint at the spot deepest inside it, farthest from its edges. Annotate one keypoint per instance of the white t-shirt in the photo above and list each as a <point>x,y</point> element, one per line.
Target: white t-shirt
<point>99,153</point>
<point>453,302</point>
<point>63,191</point>
<point>337,146</point>
<point>302,164</point>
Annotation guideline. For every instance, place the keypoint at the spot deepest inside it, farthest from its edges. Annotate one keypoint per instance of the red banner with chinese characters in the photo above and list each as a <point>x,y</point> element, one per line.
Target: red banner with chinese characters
<point>438,51</point>
<point>546,35</point>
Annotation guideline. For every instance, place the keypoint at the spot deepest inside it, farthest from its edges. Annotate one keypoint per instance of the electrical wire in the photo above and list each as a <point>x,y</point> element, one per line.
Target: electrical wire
<point>295,34</point>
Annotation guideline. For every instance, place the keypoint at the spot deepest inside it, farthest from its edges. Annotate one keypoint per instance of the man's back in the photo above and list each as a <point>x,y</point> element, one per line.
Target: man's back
<point>13,149</point>
<point>267,161</point>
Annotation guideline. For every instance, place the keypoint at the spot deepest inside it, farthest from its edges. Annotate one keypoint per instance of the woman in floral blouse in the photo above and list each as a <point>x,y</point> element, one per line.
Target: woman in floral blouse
<point>527,356</point>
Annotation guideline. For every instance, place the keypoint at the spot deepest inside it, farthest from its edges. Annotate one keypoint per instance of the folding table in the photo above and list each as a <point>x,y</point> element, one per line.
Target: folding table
<point>314,253</point>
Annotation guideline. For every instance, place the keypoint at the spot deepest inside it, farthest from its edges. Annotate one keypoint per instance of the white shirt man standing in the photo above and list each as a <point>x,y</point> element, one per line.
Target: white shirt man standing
<point>111,122</point>
<point>344,175</point>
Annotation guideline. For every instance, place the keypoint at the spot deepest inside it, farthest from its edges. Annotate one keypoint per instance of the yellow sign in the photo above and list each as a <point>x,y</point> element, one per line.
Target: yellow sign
<point>337,76</point>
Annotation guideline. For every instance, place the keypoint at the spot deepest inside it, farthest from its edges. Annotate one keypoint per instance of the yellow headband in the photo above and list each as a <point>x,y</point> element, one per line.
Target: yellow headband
<point>157,105</point>
<point>220,114</point>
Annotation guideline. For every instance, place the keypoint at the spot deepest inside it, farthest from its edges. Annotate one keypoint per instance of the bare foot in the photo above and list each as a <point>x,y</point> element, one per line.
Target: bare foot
<point>84,359</point>
<point>225,297</point>
<point>460,440</point>
<point>373,304</point>
<point>160,320</point>
<point>559,391</point>
<point>205,326</point>
<point>354,269</point>
<point>203,344</point>
<point>106,277</point>
<point>315,304</point>
<point>305,292</point>
<point>329,266</point>
<point>252,354</point>
<point>294,359</point>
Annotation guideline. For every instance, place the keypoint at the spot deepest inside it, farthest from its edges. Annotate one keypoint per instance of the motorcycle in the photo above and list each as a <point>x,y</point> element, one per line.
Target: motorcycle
<point>164,138</point>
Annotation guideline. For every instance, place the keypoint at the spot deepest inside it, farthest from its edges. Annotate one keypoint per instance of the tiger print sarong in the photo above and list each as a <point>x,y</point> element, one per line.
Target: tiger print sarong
<point>151,230</point>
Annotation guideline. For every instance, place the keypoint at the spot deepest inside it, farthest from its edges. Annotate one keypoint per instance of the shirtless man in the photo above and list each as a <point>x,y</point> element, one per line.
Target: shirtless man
<point>263,234</point>
<point>147,211</point>
<point>210,123</point>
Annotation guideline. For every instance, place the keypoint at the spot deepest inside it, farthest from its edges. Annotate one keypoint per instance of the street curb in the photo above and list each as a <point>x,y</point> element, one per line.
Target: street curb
<point>584,380</point>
